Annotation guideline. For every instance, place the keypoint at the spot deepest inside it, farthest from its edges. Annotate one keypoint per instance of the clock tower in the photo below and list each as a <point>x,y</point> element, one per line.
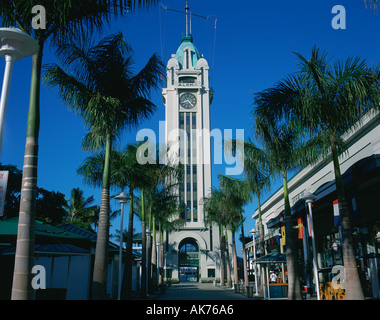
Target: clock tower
<point>192,252</point>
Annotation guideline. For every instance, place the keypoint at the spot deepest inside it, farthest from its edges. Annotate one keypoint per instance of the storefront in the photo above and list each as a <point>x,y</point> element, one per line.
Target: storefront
<point>362,202</point>
<point>274,275</point>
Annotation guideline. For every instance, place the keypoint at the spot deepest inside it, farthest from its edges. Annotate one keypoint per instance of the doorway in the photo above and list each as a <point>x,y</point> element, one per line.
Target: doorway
<point>188,260</point>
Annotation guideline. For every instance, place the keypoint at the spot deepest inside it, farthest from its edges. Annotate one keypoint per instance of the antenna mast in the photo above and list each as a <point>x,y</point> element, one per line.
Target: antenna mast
<point>188,16</point>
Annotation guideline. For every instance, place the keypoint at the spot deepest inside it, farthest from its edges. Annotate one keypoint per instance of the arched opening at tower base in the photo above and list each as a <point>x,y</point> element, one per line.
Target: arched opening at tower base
<point>188,260</point>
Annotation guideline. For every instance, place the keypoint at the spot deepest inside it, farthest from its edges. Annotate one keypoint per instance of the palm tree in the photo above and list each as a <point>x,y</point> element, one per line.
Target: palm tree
<point>105,93</point>
<point>238,194</point>
<point>373,4</point>
<point>122,175</point>
<point>217,212</point>
<point>78,206</point>
<point>164,209</point>
<point>329,101</point>
<point>284,150</point>
<point>257,174</point>
<point>157,185</point>
<point>257,178</point>
<point>64,20</point>
<point>131,175</point>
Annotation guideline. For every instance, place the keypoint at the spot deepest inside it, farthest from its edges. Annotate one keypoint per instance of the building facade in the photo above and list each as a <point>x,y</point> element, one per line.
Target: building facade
<point>360,167</point>
<point>191,252</point>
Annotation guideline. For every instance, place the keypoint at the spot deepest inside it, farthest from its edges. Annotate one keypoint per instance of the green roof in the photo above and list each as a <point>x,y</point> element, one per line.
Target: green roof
<point>187,41</point>
<point>9,227</point>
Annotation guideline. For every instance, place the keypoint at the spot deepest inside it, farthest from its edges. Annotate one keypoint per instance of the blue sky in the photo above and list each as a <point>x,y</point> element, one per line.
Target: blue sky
<point>249,51</point>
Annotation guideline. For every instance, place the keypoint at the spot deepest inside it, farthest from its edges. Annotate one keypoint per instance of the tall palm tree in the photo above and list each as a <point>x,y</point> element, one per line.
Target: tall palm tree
<point>65,19</point>
<point>238,194</point>
<point>102,89</point>
<point>131,175</point>
<point>284,150</point>
<point>164,208</point>
<point>122,163</point>
<point>256,176</point>
<point>217,212</point>
<point>329,101</point>
<point>160,204</point>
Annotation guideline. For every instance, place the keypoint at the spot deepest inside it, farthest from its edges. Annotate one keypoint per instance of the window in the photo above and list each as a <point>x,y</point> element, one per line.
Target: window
<point>187,80</point>
<point>210,273</point>
<point>195,211</point>
<point>188,211</point>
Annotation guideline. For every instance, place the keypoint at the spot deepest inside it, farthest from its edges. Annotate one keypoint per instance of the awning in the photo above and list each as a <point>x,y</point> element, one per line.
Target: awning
<point>274,257</point>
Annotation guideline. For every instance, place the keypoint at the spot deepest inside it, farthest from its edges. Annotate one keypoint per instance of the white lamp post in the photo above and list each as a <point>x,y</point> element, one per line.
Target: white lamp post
<point>158,260</point>
<point>254,258</point>
<point>14,45</point>
<point>309,198</point>
<point>123,198</point>
<point>148,235</point>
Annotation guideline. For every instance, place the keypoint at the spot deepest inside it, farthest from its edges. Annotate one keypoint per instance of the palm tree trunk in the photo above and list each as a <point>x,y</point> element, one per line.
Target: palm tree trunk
<point>149,249</point>
<point>99,286</point>
<point>261,228</point>
<point>294,285</point>
<point>127,277</point>
<point>246,281</point>
<point>236,271</point>
<point>261,237</point>
<point>154,255</point>
<point>222,257</point>
<point>229,282</point>
<point>161,255</point>
<point>143,248</point>
<point>353,286</point>
<point>24,258</point>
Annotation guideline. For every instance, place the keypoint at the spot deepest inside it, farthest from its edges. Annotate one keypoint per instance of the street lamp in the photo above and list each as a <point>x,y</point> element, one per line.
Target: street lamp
<point>253,231</point>
<point>309,198</point>
<point>14,45</point>
<point>123,198</point>
<point>148,248</point>
<point>158,260</point>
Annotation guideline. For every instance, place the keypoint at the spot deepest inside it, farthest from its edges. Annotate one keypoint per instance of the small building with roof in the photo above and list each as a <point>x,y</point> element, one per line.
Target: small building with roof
<point>66,253</point>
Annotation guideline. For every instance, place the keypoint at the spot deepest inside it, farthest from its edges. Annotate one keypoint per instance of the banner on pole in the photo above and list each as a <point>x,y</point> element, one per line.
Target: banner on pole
<point>336,212</point>
<point>3,190</point>
<point>283,236</point>
<point>300,228</point>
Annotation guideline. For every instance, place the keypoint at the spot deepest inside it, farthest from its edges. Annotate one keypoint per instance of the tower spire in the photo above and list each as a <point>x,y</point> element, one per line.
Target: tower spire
<point>187,19</point>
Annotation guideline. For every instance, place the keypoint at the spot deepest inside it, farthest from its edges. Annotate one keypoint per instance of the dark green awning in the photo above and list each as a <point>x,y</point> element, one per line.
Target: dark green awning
<point>274,257</point>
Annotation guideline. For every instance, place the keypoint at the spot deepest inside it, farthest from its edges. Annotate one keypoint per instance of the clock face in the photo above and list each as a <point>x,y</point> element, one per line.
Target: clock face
<point>188,100</point>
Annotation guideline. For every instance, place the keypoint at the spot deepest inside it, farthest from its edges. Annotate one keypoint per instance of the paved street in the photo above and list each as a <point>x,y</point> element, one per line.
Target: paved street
<point>200,291</point>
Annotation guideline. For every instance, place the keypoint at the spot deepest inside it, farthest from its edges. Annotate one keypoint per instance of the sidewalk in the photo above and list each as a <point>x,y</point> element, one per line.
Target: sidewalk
<point>201,291</point>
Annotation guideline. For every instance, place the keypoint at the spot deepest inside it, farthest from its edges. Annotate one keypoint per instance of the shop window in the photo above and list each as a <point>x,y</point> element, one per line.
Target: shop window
<point>331,253</point>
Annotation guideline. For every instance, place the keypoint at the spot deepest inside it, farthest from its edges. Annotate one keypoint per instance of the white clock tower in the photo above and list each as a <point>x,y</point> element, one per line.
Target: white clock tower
<point>192,253</point>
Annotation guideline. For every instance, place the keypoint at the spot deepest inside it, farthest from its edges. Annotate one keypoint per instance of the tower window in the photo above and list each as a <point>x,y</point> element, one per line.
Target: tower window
<point>187,80</point>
